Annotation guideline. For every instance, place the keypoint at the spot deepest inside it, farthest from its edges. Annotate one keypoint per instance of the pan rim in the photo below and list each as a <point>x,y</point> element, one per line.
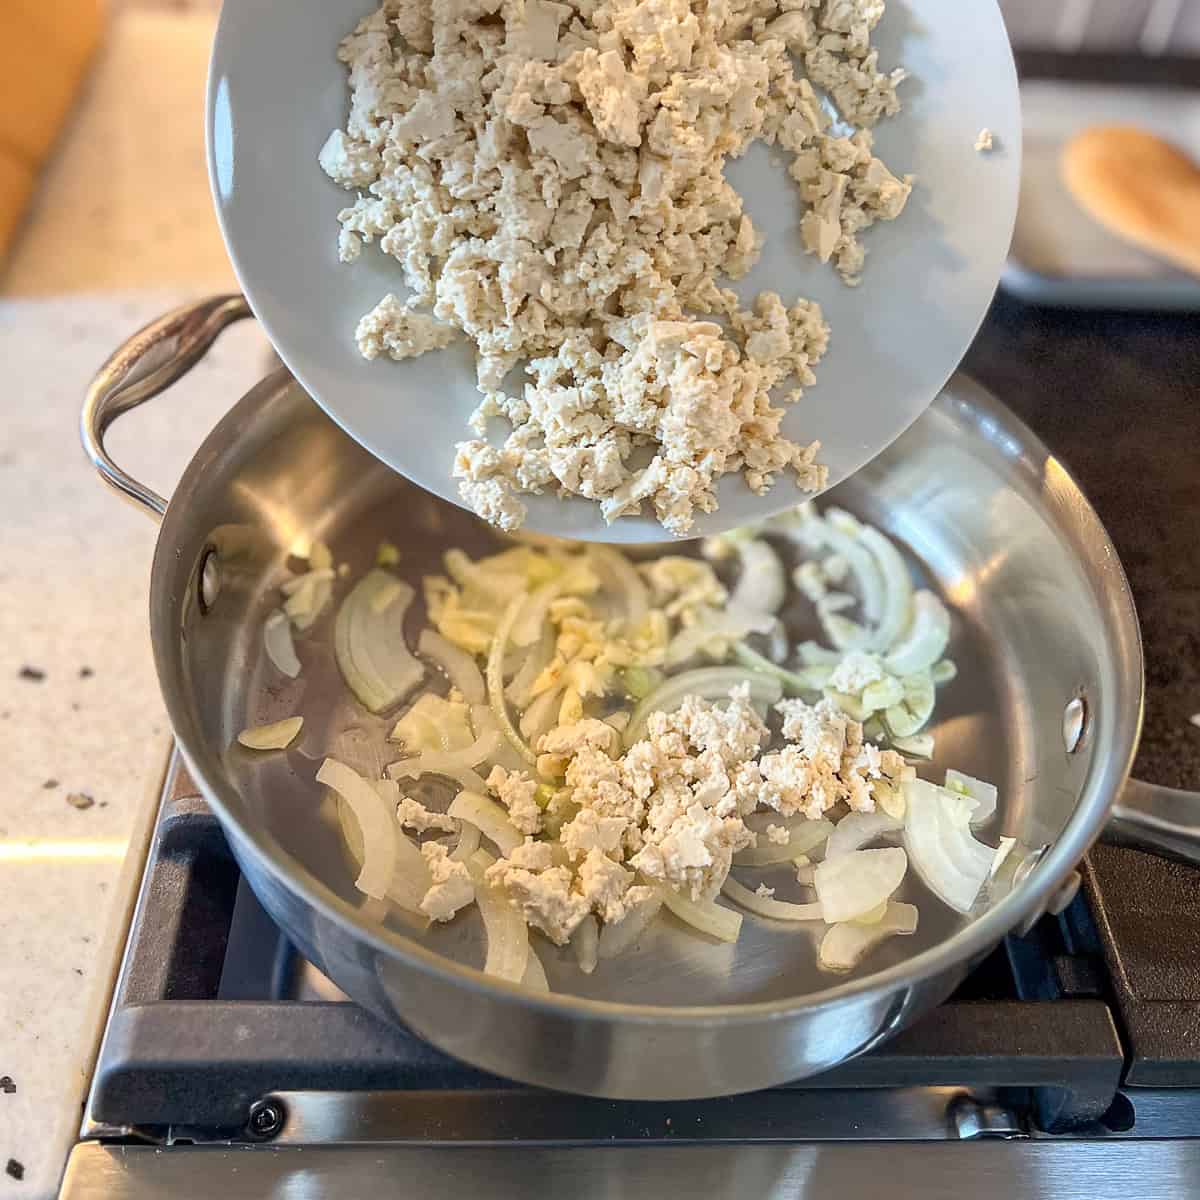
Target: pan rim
<point>1066,504</point>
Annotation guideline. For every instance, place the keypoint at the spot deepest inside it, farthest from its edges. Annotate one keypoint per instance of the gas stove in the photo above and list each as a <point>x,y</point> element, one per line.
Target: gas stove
<point>229,1064</point>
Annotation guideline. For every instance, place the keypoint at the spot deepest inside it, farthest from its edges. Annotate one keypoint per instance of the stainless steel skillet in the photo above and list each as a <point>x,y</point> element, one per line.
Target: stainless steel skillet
<point>1047,704</point>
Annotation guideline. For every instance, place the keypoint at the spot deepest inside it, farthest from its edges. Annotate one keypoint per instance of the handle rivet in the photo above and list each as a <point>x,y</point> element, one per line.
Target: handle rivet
<point>210,580</point>
<point>1074,723</point>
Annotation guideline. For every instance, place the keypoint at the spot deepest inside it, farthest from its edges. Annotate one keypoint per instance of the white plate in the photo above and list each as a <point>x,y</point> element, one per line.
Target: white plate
<point>276,89</point>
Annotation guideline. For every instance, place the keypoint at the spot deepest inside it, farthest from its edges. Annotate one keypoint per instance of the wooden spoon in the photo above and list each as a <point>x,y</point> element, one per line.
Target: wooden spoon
<point>1140,187</point>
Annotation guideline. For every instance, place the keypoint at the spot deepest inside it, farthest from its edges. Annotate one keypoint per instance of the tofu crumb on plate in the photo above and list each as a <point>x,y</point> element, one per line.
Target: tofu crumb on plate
<point>553,188</point>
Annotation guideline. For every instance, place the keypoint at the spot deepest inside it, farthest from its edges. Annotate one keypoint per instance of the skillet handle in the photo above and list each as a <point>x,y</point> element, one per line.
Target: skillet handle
<point>1161,819</point>
<point>148,363</point>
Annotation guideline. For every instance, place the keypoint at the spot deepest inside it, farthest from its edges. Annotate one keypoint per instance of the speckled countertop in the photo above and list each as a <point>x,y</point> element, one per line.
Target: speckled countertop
<point>122,230</point>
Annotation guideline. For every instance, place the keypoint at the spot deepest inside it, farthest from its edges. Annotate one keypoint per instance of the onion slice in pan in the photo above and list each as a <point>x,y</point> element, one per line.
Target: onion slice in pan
<point>767,906</point>
<point>856,829</point>
<point>846,944</point>
<point>503,925</point>
<point>952,863</point>
<point>720,923</point>
<point>376,821</point>
<point>489,818</point>
<point>369,641</point>
<point>277,642</point>
<point>459,666</point>
<point>854,883</point>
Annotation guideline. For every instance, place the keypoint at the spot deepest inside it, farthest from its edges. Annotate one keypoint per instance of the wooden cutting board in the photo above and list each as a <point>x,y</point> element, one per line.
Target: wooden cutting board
<point>45,50</point>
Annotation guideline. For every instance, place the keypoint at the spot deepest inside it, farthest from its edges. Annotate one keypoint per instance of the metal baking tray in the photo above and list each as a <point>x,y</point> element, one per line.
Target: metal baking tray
<point>1059,255</point>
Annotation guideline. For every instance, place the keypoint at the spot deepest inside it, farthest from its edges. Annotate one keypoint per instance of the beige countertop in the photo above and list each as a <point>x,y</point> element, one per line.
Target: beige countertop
<point>122,230</point>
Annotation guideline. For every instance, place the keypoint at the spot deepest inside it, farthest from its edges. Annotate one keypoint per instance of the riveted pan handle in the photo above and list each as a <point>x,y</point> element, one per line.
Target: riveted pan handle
<point>1161,819</point>
<point>148,363</point>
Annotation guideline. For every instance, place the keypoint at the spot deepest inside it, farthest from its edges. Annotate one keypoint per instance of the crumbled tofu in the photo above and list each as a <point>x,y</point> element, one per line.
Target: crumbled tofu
<point>516,791</point>
<point>1195,719</point>
<point>412,814</point>
<point>671,809</point>
<point>984,142</point>
<point>400,331</point>
<point>607,887</point>
<point>532,856</point>
<point>547,899</point>
<point>550,180</point>
<point>767,893</point>
<point>856,671</point>
<point>452,886</point>
<point>825,762</point>
<point>778,835</point>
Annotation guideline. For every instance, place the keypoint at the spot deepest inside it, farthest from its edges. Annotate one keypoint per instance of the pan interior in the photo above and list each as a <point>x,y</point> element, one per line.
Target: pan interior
<point>970,508</point>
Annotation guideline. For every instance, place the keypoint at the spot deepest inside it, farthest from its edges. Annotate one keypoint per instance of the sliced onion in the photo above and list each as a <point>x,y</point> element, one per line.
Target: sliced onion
<point>883,693</point>
<point>813,654</point>
<point>951,862</point>
<point>849,885</point>
<point>1002,852</point>
<point>857,829</point>
<point>483,720</point>
<point>277,641</point>
<point>761,585</point>
<point>519,690</point>
<point>721,923</point>
<point>805,681</point>
<point>276,736</point>
<point>307,597</point>
<point>844,633</point>
<point>468,841</point>
<point>436,764</point>
<point>845,543</point>
<point>495,678</point>
<point>459,666</point>
<point>489,818</point>
<point>873,915</point>
<point>984,794</point>
<point>585,941</point>
<point>503,926</point>
<point>924,640</point>
<point>479,751</point>
<point>852,706</point>
<point>532,619</point>
<point>376,822</point>
<point>534,979</point>
<point>731,624</point>
<point>906,718</point>
<point>920,745</point>
<point>710,683</point>
<point>845,945</point>
<point>369,643</point>
<point>539,717</point>
<point>614,565</point>
<point>615,939</point>
<point>943,672</point>
<point>432,724</point>
<point>803,835</point>
<point>897,589</point>
<point>765,906</point>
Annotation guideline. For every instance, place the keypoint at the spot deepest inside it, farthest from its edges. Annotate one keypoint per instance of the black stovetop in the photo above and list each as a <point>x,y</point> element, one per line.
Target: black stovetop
<point>1071,1025</point>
